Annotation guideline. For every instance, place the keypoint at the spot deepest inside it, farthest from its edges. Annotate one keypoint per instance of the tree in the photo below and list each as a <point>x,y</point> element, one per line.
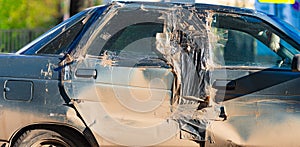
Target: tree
<point>23,20</point>
<point>78,5</point>
<point>30,14</point>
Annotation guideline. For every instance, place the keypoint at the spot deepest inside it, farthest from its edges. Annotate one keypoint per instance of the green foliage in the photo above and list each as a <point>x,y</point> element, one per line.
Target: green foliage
<point>23,20</point>
<point>97,2</point>
<point>17,14</point>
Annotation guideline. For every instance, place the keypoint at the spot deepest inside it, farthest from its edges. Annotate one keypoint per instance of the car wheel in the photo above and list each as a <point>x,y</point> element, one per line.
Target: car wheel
<point>48,138</point>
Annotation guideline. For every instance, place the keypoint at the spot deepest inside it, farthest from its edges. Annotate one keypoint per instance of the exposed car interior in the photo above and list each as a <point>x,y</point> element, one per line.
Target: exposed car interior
<point>247,41</point>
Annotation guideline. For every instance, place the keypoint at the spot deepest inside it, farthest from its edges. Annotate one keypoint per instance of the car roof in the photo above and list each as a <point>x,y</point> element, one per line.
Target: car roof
<point>294,34</point>
<point>202,7</point>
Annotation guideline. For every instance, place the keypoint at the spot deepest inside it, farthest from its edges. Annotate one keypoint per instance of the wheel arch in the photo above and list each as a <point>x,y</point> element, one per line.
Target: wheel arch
<point>85,135</point>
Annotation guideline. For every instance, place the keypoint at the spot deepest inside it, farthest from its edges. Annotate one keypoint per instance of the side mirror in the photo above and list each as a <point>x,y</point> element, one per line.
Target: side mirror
<point>296,63</point>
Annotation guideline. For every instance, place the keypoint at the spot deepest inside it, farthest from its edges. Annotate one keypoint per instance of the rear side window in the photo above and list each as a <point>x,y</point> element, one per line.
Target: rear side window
<point>56,39</point>
<point>62,42</point>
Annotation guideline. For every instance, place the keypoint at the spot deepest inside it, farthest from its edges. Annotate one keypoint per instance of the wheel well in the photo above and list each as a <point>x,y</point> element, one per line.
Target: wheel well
<point>62,129</point>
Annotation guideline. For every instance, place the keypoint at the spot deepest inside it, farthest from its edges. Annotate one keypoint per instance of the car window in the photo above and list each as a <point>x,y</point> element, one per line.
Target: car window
<point>61,43</point>
<point>247,41</point>
<point>39,45</point>
<point>242,49</point>
<point>132,43</point>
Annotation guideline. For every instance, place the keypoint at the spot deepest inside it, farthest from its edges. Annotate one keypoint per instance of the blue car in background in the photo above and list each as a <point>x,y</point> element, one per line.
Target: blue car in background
<point>155,74</point>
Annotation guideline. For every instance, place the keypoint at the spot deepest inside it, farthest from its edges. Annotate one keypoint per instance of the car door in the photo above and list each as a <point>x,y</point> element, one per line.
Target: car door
<point>253,79</point>
<point>123,86</point>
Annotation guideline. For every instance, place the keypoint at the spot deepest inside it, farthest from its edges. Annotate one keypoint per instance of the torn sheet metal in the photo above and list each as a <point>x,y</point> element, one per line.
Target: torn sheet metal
<point>134,98</point>
<point>152,97</point>
<point>257,103</point>
<point>154,82</point>
<point>188,44</point>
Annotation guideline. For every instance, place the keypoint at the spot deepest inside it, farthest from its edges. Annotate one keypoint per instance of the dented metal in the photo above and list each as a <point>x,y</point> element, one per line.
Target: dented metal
<point>185,46</point>
<point>161,77</point>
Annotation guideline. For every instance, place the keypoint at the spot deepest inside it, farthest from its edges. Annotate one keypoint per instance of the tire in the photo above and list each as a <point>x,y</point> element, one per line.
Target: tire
<point>49,138</point>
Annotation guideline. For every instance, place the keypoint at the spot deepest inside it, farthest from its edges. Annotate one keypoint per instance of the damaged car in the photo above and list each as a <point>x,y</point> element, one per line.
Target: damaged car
<point>150,74</point>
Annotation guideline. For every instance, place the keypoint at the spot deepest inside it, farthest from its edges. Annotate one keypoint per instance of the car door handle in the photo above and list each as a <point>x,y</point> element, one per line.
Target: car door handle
<point>86,73</point>
<point>224,84</point>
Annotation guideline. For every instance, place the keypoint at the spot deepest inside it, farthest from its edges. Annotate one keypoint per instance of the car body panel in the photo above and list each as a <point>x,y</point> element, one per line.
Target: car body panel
<point>41,101</point>
<point>154,79</point>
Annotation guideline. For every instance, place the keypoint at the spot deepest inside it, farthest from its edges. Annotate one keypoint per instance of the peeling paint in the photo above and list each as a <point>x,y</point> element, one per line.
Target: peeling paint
<point>183,45</point>
<point>106,61</point>
<point>154,99</point>
<point>48,73</point>
<point>161,83</point>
